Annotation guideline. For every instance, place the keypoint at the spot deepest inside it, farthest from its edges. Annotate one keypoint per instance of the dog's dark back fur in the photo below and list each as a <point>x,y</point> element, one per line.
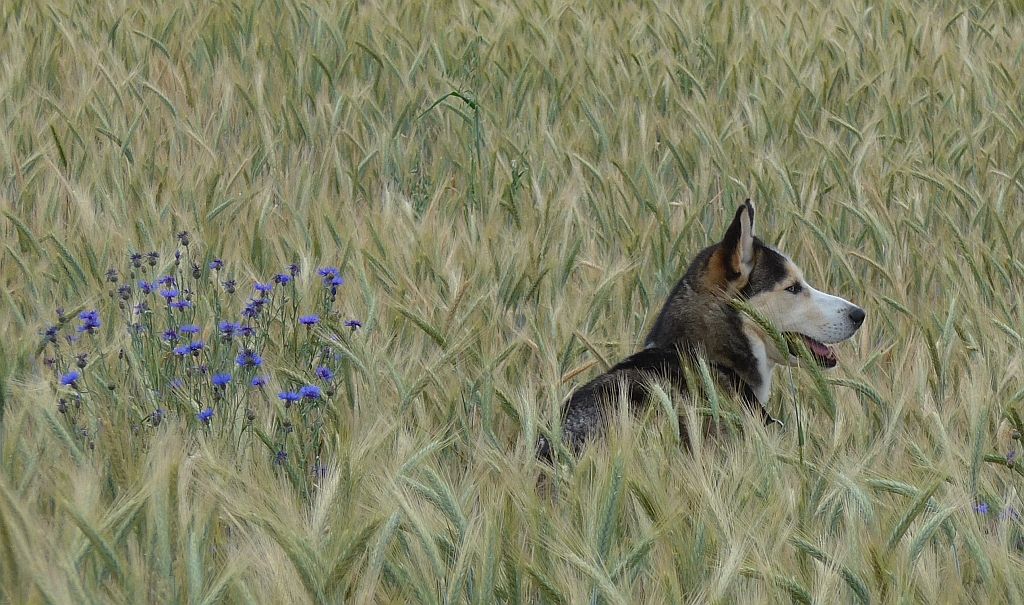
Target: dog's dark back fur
<point>586,413</point>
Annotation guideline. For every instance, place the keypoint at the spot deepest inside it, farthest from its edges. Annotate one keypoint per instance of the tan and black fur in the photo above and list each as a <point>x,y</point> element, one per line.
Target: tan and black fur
<point>698,319</point>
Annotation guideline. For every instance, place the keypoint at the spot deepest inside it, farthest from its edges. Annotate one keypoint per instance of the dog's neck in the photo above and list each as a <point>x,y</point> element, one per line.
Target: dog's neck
<point>745,356</point>
<point>759,378</point>
<point>747,395</point>
<point>741,387</point>
<point>751,379</point>
<point>753,385</point>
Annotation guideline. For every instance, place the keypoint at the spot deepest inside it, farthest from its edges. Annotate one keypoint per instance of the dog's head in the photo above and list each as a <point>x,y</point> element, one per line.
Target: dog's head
<point>745,267</point>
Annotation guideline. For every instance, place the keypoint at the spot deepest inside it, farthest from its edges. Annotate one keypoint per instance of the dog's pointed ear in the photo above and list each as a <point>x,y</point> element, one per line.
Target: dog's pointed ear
<point>737,247</point>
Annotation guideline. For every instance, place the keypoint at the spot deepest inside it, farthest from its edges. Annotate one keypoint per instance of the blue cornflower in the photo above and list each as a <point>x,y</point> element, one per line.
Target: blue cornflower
<point>324,373</point>
<point>252,310</point>
<point>50,333</point>
<point>216,264</point>
<point>181,305</point>
<point>335,282</point>
<point>147,287</point>
<point>167,281</point>
<point>192,348</point>
<point>229,286</point>
<point>205,416</point>
<point>183,238</point>
<point>327,273</point>
<point>259,381</point>
<point>310,392</point>
<point>90,321</point>
<point>282,278</point>
<point>353,323</point>
<point>293,269</point>
<point>981,508</point>
<point>136,259</point>
<point>189,329</point>
<point>175,384</point>
<point>70,379</point>
<point>151,258</point>
<point>169,294</point>
<point>289,397</point>
<point>249,358</point>
<point>228,330</point>
<point>246,331</point>
<point>157,416</point>
<point>221,380</point>
<point>309,320</point>
<point>281,457</point>
<point>141,308</point>
<point>263,288</point>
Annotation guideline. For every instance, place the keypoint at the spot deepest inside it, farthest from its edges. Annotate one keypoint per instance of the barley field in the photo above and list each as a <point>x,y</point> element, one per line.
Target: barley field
<point>290,289</point>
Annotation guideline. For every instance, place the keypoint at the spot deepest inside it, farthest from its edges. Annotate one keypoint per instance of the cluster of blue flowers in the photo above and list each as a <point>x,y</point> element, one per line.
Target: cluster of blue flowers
<point>192,360</point>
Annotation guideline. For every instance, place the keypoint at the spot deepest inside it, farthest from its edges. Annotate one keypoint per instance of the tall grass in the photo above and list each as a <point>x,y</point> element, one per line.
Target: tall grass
<point>510,191</point>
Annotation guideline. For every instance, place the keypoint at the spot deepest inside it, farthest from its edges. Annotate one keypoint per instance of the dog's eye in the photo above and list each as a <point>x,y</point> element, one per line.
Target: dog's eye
<point>795,288</point>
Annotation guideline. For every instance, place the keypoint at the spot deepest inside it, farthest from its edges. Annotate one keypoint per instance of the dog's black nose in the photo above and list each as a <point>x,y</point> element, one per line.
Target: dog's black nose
<point>857,316</point>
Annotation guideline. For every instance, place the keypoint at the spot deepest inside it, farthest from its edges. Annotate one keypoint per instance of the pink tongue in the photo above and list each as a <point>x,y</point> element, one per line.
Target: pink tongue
<point>817,348</point>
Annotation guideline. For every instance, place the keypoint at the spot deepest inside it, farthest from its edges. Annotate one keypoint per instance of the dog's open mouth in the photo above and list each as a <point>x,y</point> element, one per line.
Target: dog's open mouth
<point>822,353</point>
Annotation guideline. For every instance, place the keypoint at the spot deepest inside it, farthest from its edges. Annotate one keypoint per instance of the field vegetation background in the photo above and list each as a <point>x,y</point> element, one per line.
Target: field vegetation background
<point>508,191</point>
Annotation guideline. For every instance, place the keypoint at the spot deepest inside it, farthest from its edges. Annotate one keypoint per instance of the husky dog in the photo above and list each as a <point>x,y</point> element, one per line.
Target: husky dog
<point>699,319</point>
